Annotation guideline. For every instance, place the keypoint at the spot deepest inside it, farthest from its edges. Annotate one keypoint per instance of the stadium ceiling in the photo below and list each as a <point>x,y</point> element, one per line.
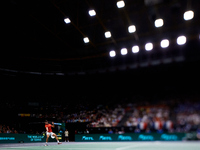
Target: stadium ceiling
<point>63,31</point>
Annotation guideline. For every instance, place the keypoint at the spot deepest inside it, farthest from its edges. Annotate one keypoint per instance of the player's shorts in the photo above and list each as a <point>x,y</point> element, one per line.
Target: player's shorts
<point>50,134</point>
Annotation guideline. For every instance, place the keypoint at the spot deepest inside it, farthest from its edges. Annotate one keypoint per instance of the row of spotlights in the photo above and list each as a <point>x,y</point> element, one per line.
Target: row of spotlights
<point>108,34</point>
<point>120,4</point>
<point>164,43</point>
<point>188,15</point>
<point>181,40</point>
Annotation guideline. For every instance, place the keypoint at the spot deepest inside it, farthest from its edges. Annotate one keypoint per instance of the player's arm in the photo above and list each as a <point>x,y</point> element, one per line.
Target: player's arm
<point>47,129</point>
<point>53,125</point>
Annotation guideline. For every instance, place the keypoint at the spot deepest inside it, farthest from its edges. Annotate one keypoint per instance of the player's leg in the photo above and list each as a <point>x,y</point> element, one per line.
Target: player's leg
<point>56,138</point>
<point>47,139</point>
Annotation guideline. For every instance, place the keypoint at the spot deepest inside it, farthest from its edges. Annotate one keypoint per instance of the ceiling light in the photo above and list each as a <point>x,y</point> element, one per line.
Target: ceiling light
<point>112,53</point>
<point>92,13</point>
<point>159,23</point>
<point>131,29</point>
<point>164,43</point>
<point>124,51</point>
<point>181,40</point>
<point>149,46</point>
<point>188,15</point>
<point>107,34</point>
<point>86,40</point>
<point>120,4</point>
<point>67,20</point>
<point>135,49</point>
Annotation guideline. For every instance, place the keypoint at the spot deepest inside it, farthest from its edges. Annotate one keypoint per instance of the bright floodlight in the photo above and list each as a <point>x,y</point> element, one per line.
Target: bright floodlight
<point>181,40</point>
<point>131,29</point>
<point>149,46</point>
<point>159,23</point>
<point>112,53</point>
<point>188,15</point>
<point>107,34</point>
<point>86,40</point>
<point>67,20</point>
<point>124,51</point>
<point>92,13</point>
<point>135,49</point>
<point>164,43</point>
<point>120,4</point>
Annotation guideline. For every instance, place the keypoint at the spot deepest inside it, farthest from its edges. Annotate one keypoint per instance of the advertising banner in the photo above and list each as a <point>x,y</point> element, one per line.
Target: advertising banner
<point>130,137</point>
<point>25,138</point>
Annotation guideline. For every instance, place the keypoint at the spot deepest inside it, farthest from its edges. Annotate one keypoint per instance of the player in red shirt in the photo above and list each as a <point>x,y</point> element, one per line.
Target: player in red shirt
<point>49,132</point>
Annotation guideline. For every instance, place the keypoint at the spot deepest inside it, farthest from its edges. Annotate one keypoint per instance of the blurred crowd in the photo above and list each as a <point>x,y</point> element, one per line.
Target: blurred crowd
<point>107,117</point>
<point>150,117</point>
<point>7,129</point>
<point>99,117</point>
<point>187,116</point>
<point>171,115</point>
<point>163,116</point>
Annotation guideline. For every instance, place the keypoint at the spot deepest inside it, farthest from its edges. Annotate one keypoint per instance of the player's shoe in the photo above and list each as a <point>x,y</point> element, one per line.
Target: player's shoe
<point>59,143</point>
<point>46,145</point>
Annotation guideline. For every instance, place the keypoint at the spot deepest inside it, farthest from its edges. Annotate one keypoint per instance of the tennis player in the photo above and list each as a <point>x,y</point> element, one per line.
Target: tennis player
<point>50,133</point>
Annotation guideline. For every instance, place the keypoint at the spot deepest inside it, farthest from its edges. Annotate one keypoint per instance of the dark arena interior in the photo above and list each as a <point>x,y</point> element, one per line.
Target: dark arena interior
<point>117,74</point>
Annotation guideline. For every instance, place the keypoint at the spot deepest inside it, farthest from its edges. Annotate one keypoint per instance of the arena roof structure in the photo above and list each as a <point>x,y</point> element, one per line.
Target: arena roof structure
<point>62,37</point>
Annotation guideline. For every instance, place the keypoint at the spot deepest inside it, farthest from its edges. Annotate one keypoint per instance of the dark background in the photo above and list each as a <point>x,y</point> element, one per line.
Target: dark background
<point>44,60</point>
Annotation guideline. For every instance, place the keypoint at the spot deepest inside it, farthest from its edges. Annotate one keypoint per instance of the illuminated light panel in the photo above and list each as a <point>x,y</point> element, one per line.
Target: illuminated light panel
<point>131,29</point>
<point>92,13</point>
<point>124,51</point>
<point>67,20</point>
<point>188,15</point>
<point>181,40</point>
<point>112,53</point>
<point>120,4</point>
<point>107,34</point>
<point>86,40</point>
<point>159,23</point>
<point>164,43</point>
<point>148,46</point>
<point>135,49</point>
